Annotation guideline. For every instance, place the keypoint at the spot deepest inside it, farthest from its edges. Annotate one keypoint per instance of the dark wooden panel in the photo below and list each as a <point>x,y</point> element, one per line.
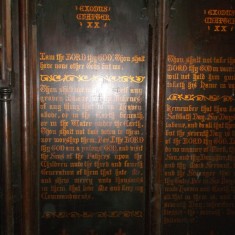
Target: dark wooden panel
<point>92,100</point>
<point>198,176</point>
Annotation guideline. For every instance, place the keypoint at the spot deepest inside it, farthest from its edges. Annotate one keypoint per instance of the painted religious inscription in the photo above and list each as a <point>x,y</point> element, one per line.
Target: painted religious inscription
<point>198,176</point>
<point>92,91</point>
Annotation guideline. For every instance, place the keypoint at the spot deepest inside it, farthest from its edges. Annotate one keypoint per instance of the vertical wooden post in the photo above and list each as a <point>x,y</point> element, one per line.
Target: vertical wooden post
<point>5,107</point>
<point>5,117</point>
<point>159,94</point>
<point>6,43</point>
<point>25,122</point>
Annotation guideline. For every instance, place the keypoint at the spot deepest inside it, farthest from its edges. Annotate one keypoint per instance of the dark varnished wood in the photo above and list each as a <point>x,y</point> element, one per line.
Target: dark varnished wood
<point>25,122</point>
<point>6,42</point>
<point>5,107</point>
<point>158,116</point>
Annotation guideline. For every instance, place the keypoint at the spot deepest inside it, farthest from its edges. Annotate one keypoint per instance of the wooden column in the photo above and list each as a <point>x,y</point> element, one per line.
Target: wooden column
<point>25,122</point>
<point>5,106</point>
<point>158,127</point>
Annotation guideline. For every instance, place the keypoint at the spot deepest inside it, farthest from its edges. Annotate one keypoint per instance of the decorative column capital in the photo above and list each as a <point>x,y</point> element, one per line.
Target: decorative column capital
<point>5,94</point>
